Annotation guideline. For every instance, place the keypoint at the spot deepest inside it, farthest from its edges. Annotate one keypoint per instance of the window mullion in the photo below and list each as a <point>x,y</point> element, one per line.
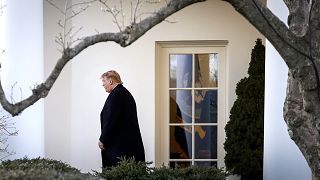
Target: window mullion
<point>193,109</point>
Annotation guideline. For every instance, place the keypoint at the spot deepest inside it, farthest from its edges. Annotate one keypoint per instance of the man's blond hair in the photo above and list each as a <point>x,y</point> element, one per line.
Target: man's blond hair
<point>112,74</point>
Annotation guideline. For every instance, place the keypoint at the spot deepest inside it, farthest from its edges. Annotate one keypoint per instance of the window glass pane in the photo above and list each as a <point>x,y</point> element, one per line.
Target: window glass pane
<point>180,106</point>
<point>180,70</point>
<point>205,164</point>
<point>206,70</point>
<point>180,142</point>
<point>179,164</point>
<point>205,142</point>
<point>205,106</point>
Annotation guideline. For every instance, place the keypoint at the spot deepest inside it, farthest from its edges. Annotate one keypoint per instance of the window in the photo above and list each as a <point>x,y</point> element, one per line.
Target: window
<point>190,105</point>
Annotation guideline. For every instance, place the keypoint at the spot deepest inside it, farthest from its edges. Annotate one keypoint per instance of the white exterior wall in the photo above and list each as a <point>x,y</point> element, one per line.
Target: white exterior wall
<point>212,20</point>
<point>22,63</point>
<point>282,158</point>
<point>57,111</point>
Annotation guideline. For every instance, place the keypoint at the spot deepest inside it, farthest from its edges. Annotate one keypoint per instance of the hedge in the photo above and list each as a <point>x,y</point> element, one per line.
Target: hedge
<point>127,169</point>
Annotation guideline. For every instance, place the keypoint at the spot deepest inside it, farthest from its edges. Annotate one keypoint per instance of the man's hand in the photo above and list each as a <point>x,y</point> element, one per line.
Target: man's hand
<point>101,146</point>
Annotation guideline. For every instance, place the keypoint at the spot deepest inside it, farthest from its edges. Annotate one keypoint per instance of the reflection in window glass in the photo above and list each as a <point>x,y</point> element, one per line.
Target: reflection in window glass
<point>180,106</point>
<point>206,163</point>
<point>206,70</point>
<point>180,70</point>
<point>180,142</point>
<point>205,106</point>
<point>205,142</point>
<point>193,144</point>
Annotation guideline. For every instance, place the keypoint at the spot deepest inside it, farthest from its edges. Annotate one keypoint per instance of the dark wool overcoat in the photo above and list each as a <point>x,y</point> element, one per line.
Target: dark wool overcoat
<point>120,131</point>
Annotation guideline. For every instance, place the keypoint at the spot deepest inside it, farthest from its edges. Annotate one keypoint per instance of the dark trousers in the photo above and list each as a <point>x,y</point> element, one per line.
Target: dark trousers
<point>109,159</point>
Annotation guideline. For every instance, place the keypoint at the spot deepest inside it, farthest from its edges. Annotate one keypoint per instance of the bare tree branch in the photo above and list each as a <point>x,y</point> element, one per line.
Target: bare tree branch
<point>136,8</point>
<point>7,129</point>
<point>122,13</point>
<point>69,11</point>
<point>114,12</point>
<point>298,19</point>
<point>11,96</point>
<point>87,3</point>
<point>273,29</point>
<point>124,38</point>
<point>54,5</point>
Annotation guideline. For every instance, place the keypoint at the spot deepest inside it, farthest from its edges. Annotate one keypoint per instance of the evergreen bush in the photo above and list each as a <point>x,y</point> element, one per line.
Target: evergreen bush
<point>128,169</point>
<point>244,131</point>
<point>37,163</point>
<point>39,169</point>
<point>193,173</point>
<point>43,174</point>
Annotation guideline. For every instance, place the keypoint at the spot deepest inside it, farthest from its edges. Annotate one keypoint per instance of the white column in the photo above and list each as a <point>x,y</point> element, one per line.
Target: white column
<point>22,65</point>
<point>282,158</point>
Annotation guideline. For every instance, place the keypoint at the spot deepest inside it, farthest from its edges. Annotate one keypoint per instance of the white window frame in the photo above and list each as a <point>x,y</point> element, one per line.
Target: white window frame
<point>162,76</point>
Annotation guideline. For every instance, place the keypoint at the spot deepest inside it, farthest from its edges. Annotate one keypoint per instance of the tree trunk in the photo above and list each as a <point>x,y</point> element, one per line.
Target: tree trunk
<point>299,46</point>
<point>301,119</point>
<point>305,86</point>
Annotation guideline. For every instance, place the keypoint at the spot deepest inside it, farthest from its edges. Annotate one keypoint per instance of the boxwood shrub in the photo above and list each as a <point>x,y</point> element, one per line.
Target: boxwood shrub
<point>39,169</point>
<point>127,169</point>
<point>37,163</point>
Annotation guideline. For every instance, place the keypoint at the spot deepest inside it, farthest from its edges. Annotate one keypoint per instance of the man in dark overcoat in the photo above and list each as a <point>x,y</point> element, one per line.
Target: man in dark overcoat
<point>120,132</point>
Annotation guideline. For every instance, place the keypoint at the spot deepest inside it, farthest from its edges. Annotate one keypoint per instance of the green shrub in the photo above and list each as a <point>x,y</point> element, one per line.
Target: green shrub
<point>42,174</point>
<point>129,169</point>
<point>40,168</point>
<point>37,163</point>
<point>193,173</point>
<point>126,169</point>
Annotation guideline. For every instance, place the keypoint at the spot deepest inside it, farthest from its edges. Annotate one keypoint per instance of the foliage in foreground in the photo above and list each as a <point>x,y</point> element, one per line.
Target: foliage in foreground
<point>37,163</point>
<point>129,169</point>
<point>41,168</point>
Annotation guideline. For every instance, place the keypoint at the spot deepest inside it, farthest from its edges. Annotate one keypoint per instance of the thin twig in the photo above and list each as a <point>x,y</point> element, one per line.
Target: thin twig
<point>20,93</point>
<point>136,9</point>
<point>75,13</point>
<point>73,36</point>
<point>11,95</point>
<point>55,6</point>
<point>113,11</point>
<point>131,11</point>
<point>6,129</point>
<point>64,25</point>
<point>65,38</point>
<point>81,3</point>
<point>122,13</point>
<point>76,40</point>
